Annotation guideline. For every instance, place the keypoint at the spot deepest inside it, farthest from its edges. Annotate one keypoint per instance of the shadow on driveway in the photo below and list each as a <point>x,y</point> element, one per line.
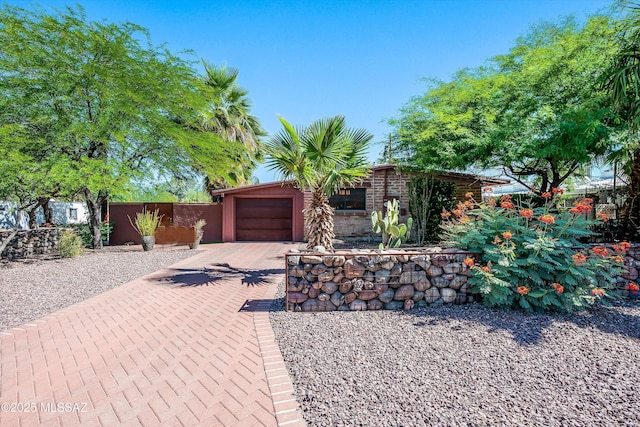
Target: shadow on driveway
<point>215,273</point>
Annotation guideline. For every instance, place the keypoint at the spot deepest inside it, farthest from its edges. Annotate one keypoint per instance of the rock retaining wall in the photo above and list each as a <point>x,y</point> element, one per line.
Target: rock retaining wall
<point>632,261</point>
<point>30,242</point>
<point>375,280</point>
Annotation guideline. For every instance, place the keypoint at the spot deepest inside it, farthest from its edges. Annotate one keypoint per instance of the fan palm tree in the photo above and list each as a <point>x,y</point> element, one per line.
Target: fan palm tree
<point>228,116</point>
<point>320,158</point>
<point>622,81</point>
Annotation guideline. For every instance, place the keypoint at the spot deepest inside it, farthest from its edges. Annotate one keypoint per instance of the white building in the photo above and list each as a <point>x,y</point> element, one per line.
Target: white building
<point>63,213</point>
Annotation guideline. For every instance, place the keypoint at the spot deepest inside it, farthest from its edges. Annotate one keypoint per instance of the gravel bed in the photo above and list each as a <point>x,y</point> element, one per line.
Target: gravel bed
<point>463,366</point>
<point>38,286</point>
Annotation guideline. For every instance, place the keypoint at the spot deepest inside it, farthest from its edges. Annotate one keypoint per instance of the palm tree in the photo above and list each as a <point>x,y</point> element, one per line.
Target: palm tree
<point>320,158</point>
<point>228,116</point>
<point>622,81</point>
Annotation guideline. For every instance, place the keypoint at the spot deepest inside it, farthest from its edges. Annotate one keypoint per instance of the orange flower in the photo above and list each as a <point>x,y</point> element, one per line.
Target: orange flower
<point>505,198</point>
<point>625,246</point>
<point>465,220</point>
<point>619,259</point>
<point>597,292</point>
<point>547,219</point>
<point>526,213</point>
<point>633,287</point>
<point>469,262</point>
<point>582,207</point>
<point>579,259</point>
<point>558,287</point>
<point>458,212</point>
<point>468,204</point>
<point>497,241</point>
<point>523,290</point>
<point>600,250</point>
<point>507,205</point>
<point>445,213</point>
<point>492,203</point>
<point>507,235</point>
<point>603,217</point>
<point>469,195</point>
<point>546,195</point>
<point>486,268</point>
<point>555,190</point>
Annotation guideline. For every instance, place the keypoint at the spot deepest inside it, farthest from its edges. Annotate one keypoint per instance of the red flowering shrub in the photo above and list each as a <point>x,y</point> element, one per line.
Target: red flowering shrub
<point>532,257</point>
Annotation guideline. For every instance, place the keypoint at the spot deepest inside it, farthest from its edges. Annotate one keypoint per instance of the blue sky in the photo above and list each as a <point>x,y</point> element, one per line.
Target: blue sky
<point>305,60</point>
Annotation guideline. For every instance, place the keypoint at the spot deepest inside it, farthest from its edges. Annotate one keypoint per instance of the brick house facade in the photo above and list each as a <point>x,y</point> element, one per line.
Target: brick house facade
<point>388,182</point>
<point>273,211</point>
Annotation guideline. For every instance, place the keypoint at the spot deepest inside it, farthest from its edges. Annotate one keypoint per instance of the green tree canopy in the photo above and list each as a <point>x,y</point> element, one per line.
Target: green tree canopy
<point>536,112</point>
<point>104,102</point>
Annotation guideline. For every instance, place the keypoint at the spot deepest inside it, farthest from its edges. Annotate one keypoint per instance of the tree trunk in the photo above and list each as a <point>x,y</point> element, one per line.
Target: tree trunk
<point>46,209</point>
<point>33,223</point>
<point>318,218</point>
<point>631,208</point>
<point>94,206</point>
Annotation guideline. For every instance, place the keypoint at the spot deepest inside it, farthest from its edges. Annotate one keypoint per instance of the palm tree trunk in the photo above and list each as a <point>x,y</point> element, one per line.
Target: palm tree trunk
<point>318,218</point>
<point>631,209</point>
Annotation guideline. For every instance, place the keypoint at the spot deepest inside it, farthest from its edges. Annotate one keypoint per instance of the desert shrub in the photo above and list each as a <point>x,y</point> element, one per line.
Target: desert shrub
<point>428,196</point>
<point>70,245</point>
<point>146,223</point>
<point>532,257</point>
<point>84,231</point>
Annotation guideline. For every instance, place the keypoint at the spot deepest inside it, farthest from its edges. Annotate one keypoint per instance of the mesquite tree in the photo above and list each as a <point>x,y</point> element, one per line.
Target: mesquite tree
<point>104,102</point>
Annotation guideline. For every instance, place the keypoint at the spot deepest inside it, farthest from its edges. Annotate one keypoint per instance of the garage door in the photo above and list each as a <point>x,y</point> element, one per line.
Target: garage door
<point>264,219</point>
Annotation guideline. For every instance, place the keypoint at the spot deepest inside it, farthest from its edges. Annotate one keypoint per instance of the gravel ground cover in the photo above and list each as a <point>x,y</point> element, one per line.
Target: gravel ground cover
<point>38,286</point>
<point>463,366</point>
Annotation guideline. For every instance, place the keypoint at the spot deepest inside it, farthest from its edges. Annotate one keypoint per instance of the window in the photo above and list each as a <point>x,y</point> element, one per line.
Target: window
<point>349,199</point>
<point>73,213</point>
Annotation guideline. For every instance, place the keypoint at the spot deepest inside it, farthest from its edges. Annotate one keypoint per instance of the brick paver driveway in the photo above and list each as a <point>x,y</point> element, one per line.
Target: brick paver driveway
<point>187,345</point>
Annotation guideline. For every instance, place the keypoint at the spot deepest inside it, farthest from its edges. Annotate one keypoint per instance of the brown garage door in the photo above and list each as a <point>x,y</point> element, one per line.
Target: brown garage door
<point>263,219</point>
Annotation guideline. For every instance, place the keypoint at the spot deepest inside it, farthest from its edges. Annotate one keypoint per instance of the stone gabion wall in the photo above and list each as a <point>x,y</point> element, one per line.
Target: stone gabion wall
<point>632,261</point>
<point>30,242</point>
<point>375,280</point>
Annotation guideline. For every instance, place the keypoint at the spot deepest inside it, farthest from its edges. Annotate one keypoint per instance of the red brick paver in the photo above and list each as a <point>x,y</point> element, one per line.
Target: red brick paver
<point>187,345</point>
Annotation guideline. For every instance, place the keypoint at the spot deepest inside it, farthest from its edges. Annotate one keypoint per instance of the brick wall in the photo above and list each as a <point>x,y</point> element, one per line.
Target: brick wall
<point>386,182</point>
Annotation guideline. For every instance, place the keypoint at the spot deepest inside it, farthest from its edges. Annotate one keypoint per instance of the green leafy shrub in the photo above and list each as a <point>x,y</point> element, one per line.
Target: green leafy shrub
<point>146,223</point>
<point>84,231</point>
<point>70,245</point>
<point>428,196</point>
<point>532,257</point>
<point>393,233</point>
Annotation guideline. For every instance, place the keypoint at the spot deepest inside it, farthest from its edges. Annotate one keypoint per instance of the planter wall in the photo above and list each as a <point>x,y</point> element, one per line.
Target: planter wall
<point>632,261</point>
<point>375,280</point>
<point>30,242</point>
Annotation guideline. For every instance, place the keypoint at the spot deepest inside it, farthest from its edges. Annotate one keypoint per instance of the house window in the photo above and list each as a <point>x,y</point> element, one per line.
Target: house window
<point>73,213</point>
<point>349,199</point>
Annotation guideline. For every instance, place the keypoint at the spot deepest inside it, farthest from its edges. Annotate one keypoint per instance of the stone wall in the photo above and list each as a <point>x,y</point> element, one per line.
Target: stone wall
<point>374,280</point>
<point>632,261</point>
<point>30,242</point>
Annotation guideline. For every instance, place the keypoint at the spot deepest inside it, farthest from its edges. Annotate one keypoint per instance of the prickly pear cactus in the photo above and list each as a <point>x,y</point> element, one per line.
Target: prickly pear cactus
<point>393,233</point>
